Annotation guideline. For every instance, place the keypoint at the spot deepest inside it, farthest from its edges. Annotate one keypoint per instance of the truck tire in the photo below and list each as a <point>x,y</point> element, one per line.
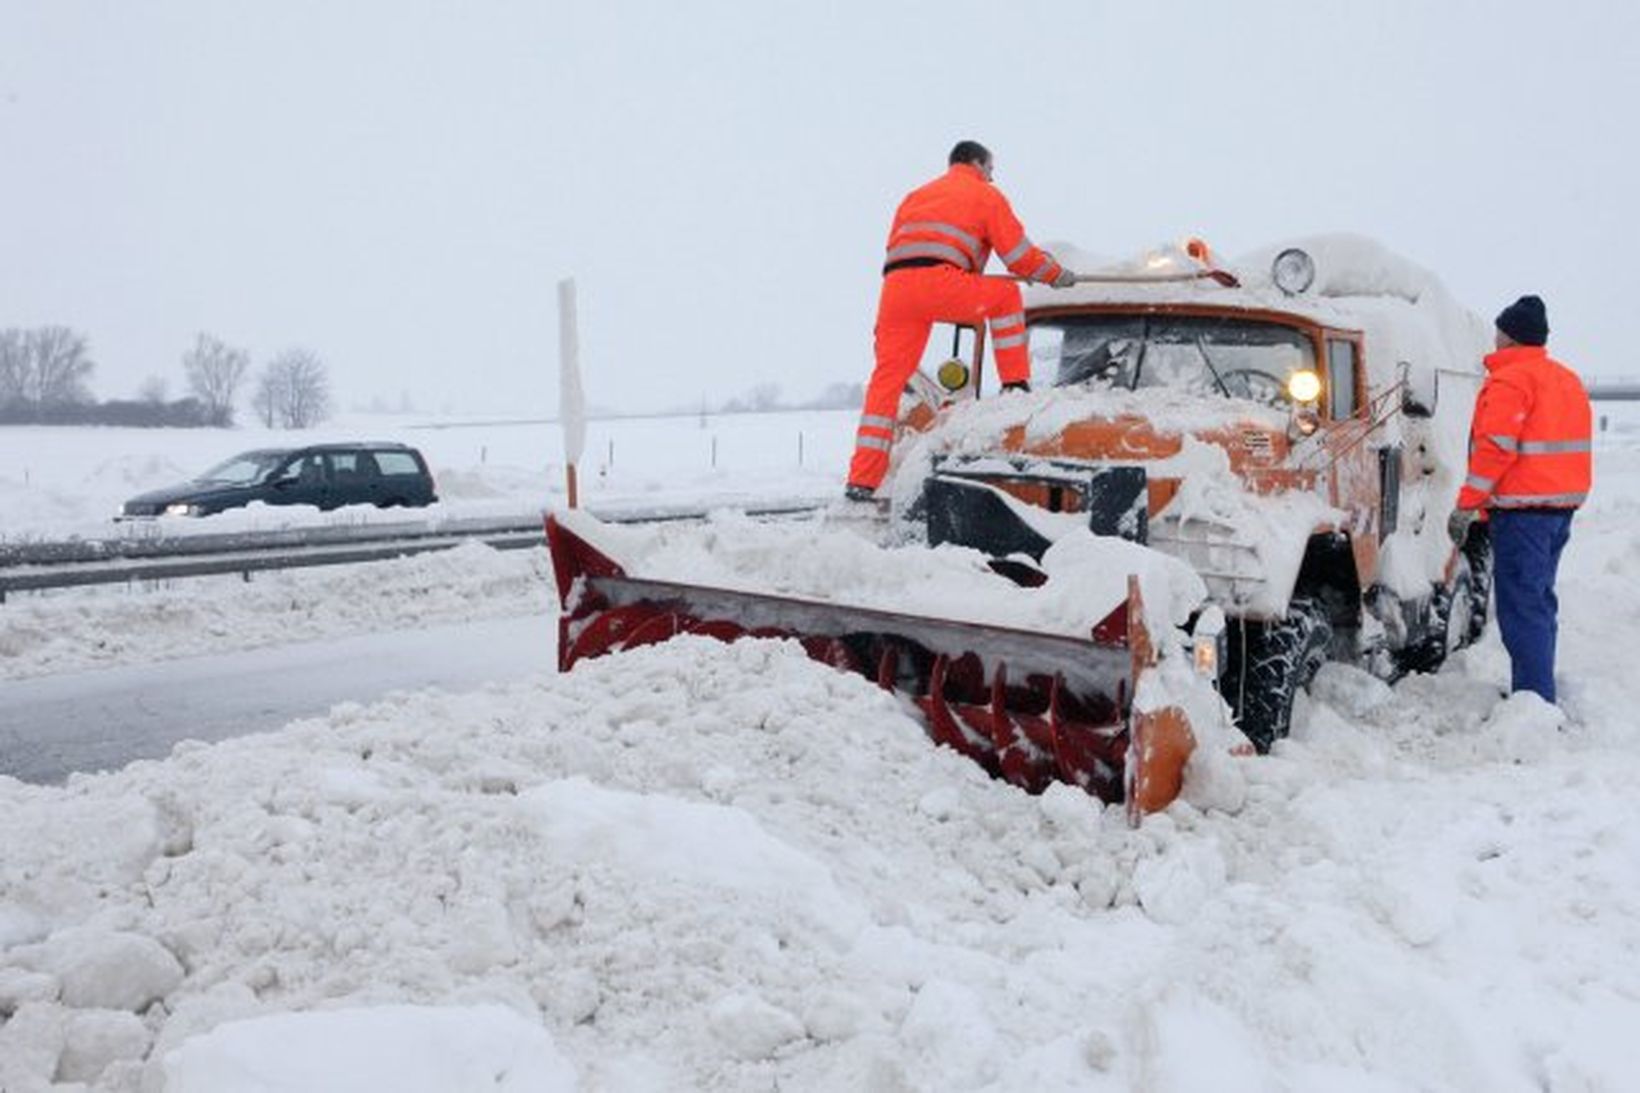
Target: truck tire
<point>1269,663</point>
<point>1451,623</point>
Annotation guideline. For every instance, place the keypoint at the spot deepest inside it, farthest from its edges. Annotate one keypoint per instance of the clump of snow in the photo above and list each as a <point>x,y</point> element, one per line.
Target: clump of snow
<point>94,1040</point>
<point>406,1049</point>
<point>104,969</point>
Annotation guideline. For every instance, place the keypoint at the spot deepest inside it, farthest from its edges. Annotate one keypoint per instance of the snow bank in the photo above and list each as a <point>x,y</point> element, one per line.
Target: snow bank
<point>708,866</point>
<point>97,627</point>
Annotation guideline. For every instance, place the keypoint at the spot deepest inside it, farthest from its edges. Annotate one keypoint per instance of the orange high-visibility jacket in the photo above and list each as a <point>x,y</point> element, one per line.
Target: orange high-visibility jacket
<point>1529,445</point>
<point>960,218</point>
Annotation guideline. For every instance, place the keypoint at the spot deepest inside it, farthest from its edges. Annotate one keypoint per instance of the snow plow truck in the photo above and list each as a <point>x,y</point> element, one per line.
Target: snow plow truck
<point>1215,484</point>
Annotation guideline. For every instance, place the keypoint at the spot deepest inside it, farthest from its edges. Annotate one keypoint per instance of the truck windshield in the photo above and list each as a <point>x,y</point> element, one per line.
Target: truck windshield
<point>1237,358</point>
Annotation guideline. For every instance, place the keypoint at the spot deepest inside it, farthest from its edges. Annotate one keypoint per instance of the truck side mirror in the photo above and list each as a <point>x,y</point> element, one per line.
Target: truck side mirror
<point>1416,403</point>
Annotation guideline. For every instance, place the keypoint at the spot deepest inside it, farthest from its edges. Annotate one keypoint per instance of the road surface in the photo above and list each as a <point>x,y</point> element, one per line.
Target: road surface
<point>101,720</point>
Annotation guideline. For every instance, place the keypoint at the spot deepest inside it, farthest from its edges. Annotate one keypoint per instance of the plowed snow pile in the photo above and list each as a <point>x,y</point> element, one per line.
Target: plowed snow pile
<point>817,560</point>
<point>76,629</point>
<point>727,867</point>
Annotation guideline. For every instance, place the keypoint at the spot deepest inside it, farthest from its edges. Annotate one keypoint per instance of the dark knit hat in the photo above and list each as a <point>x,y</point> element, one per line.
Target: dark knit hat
<point>1526,321</point>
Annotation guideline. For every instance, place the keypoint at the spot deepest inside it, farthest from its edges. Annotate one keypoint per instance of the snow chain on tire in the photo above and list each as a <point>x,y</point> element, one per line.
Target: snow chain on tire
<point>1269,664</point>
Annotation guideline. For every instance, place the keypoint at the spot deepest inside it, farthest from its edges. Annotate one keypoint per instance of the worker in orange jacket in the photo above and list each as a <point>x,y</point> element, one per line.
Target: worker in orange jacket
<point>1529,468</point>
<point>942,236</point>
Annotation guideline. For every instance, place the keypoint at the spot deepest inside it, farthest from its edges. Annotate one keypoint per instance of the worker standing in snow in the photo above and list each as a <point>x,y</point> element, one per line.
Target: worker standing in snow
<point>942,236</point>
<point>1530,468</point>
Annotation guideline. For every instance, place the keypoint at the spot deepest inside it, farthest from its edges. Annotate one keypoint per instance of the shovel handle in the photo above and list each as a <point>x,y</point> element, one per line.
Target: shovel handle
<point>1222,277</point>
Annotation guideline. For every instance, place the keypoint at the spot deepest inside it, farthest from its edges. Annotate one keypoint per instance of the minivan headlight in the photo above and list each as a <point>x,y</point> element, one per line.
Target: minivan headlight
<point>183,509</point>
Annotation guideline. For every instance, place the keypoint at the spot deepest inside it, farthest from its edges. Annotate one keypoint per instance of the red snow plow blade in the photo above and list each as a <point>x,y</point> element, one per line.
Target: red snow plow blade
<point>1029,707</point>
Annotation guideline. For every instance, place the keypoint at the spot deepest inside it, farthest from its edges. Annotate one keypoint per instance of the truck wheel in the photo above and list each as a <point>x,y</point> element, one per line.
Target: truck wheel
<point>1269,663</point>
<point>1451,624</point>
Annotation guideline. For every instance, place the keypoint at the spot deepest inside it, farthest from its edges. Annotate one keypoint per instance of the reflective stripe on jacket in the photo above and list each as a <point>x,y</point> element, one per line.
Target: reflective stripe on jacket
<point>960,218</point>
<point>1530,443</point>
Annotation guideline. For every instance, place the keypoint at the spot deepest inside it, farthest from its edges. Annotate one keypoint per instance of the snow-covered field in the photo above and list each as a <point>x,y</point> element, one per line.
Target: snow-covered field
<point>727,867</point>
<point>66,482</point>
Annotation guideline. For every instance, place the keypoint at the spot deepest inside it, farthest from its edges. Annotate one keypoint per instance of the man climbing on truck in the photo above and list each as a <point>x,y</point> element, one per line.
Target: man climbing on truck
<point>942,236</point>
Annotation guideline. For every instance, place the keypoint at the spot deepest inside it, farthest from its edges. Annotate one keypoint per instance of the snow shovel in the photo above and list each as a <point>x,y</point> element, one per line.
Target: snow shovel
<point>1220,276</point>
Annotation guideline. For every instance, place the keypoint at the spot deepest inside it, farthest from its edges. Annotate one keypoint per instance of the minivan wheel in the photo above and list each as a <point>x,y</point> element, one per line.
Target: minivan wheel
<point>1269,663</point>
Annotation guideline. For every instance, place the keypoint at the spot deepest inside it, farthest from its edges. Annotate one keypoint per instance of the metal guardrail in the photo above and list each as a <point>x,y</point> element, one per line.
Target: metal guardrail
<point>75,563</point>
<point>1614,392</point>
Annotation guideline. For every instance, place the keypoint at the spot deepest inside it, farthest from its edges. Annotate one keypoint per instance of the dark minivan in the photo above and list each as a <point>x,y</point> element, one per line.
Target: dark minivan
<point>326,475</point>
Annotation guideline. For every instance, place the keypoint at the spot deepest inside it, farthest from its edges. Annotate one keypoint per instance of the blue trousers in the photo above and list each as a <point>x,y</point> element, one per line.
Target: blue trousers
<point>1526,546</point>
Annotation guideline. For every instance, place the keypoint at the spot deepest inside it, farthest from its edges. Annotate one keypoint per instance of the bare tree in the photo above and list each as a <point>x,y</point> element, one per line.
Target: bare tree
<point>59,362</point>
<point>293,390</point>
<point>214,371</point>
<point>14,369</point>
<point>153,390</point>
<point>263,399</point>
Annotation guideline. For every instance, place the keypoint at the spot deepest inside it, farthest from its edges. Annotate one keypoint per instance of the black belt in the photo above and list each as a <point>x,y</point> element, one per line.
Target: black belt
<point>917,263</point>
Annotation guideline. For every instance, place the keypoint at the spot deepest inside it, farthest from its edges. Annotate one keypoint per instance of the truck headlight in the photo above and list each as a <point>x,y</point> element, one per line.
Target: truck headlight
<point>953,375</point>
<point>1293,271</point>
<point>1207,641</point>
<point>183,509</point>
<point>1304,386</point>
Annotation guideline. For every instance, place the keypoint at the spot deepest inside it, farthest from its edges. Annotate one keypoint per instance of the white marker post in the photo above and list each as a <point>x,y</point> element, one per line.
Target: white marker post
<point>571,399</point>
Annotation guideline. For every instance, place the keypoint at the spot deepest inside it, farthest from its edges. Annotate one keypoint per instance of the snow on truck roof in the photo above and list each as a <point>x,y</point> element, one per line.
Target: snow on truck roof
<point>1403,309</point>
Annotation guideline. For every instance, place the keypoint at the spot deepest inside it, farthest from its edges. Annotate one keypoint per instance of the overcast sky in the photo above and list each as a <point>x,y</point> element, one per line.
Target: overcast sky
<point>399,185</point>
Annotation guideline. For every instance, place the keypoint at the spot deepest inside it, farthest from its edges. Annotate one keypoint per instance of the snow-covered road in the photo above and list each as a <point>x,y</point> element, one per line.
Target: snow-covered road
<point>54,725</point>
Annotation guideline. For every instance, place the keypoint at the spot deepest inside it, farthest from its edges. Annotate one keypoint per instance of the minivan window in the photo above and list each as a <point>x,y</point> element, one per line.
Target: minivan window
<point>309,470</point>
<point>397,463</point>
<point>243,470</point>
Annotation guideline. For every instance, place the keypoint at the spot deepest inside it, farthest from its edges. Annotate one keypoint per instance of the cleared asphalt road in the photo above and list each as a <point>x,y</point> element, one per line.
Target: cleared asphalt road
<point>101,720</point>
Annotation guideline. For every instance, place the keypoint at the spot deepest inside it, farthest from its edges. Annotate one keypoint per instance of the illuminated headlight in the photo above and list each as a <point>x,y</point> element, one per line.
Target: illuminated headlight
<point>953,375</point>
<point>183,510</point>
<point>1293,271</point>
<point>1304,386</point>
<point>1207,642</point>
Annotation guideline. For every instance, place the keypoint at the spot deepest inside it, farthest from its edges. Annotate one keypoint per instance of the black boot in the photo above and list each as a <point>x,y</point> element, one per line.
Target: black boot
<point>858,493</point>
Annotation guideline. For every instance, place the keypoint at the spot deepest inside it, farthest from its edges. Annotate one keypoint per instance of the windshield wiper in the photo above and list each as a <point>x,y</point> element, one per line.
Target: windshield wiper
<point>1201,347</point>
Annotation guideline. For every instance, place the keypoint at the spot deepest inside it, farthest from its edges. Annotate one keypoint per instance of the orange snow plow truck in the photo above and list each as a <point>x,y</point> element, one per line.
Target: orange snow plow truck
<point>1215,484</point>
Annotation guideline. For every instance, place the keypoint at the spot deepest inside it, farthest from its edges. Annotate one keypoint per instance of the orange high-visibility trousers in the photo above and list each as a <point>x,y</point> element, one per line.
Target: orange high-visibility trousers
<point>912,301</point>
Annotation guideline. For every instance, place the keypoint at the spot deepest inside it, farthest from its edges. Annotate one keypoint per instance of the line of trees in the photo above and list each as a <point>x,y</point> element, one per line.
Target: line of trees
<point>45,378</point>
<point>47,366</point>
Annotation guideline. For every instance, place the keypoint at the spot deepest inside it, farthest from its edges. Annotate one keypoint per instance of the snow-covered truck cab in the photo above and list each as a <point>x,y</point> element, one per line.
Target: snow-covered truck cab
<point>1297,447</point>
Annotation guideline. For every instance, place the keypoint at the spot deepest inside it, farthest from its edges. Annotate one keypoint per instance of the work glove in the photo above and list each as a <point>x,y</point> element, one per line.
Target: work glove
<point>1457,525</point>
<point>1017,385</point>
<point>1065,279</point>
